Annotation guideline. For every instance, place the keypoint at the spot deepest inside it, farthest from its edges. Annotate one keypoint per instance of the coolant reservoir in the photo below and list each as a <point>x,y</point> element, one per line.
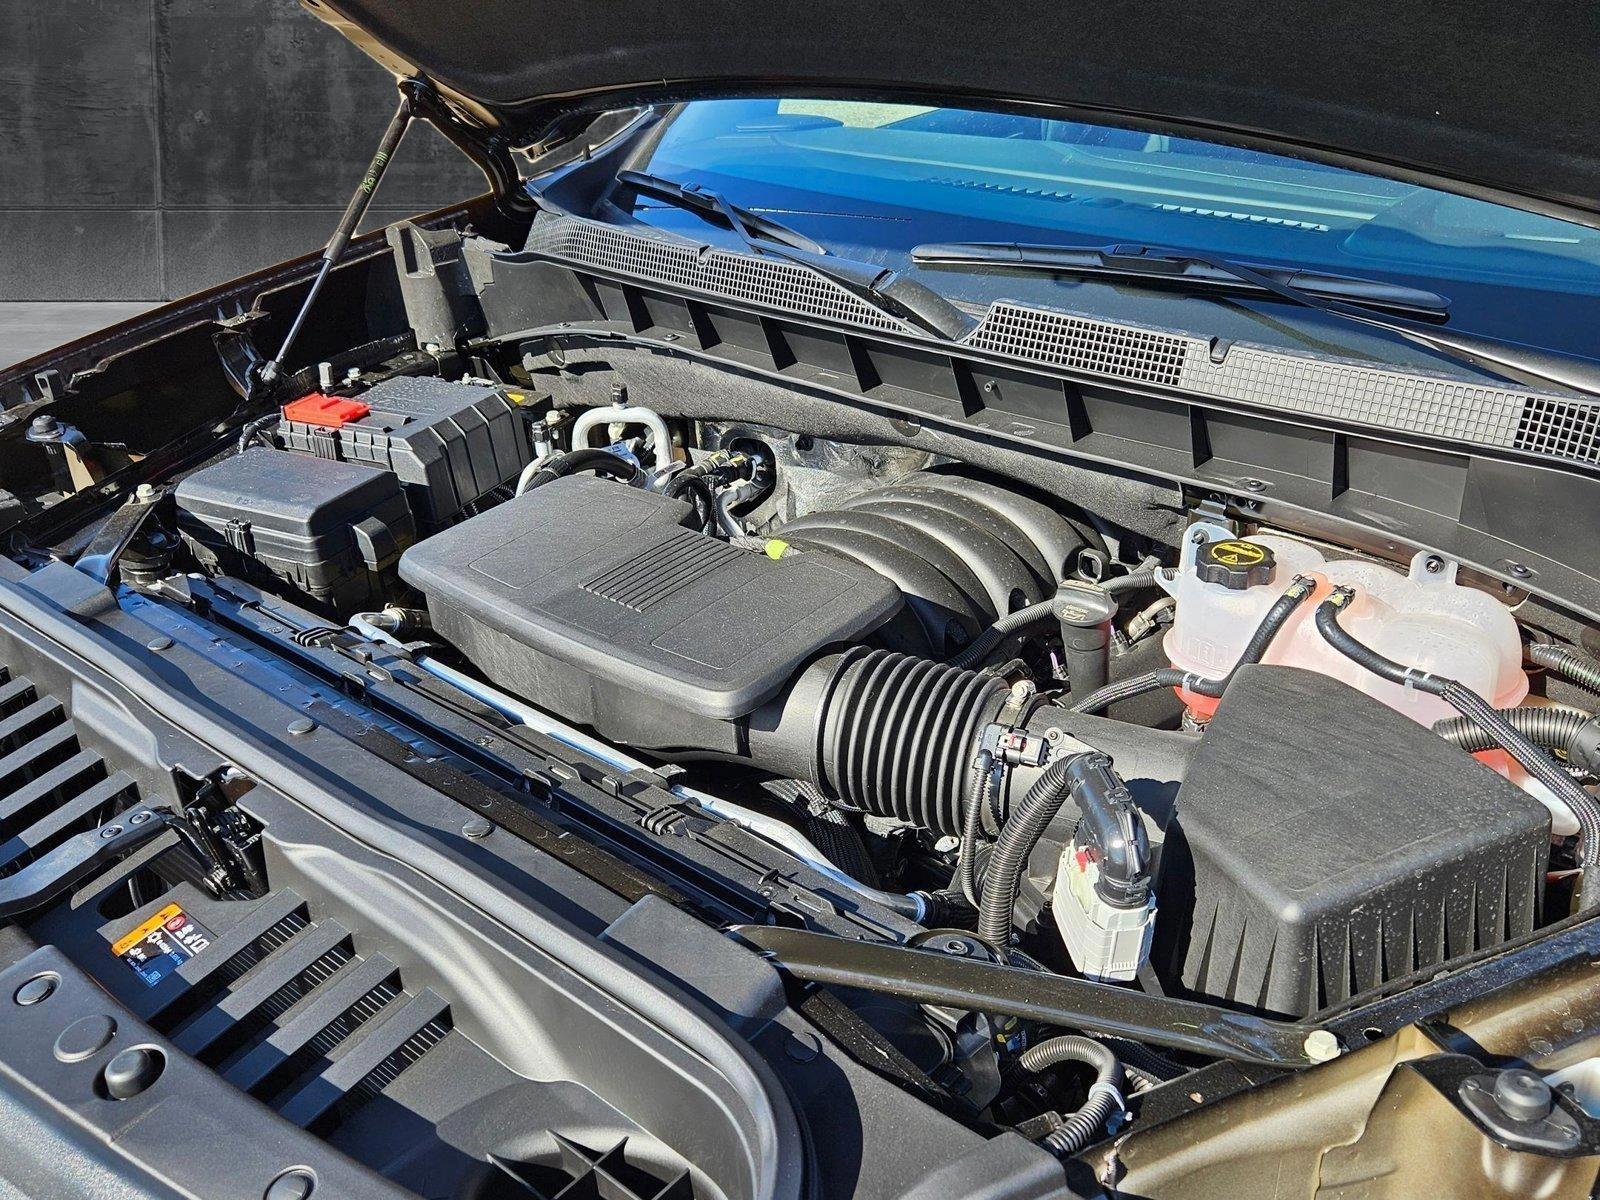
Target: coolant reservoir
<point>1424,619</point>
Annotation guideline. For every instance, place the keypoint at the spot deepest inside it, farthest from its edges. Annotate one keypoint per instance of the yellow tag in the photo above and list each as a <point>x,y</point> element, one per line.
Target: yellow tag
<point>135,936</point>
<point>775,548</point>
<point>516,397</point>
<point>1236,553</point>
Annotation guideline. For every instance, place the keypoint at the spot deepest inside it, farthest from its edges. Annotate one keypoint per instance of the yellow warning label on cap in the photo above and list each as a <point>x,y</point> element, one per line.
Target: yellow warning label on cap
<point>1235,553</point>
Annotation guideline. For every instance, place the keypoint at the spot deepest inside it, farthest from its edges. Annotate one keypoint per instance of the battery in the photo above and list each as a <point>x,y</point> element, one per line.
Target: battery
<point>450,444</point>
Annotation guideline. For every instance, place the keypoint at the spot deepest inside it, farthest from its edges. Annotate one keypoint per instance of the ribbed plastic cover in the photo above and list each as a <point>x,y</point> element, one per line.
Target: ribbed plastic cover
<point>1333,844</point>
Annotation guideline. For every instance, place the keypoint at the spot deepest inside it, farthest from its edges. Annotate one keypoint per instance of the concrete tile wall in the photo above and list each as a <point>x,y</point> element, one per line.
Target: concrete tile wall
<point>150,148</point>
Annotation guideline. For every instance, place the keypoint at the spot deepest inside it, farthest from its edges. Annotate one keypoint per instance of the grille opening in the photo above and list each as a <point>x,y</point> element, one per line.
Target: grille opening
<point>1562,428</point>
<point>182,1008</point>
<point>1064,340</point>
<point>309,1060</point>
<point>626,1168</point>
<point>259,1021</point>
<point>372,1084</point>
<point>138,889</point>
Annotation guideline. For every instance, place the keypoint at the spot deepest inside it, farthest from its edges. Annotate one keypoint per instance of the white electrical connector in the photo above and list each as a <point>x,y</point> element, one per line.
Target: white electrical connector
<point>1106,943</point>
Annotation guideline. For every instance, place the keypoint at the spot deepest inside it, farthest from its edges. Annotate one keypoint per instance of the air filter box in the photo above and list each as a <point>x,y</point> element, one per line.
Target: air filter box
<point>1324,844</point>
<point>332,530</point>
<point>600,602</point>
<point>450,444</point>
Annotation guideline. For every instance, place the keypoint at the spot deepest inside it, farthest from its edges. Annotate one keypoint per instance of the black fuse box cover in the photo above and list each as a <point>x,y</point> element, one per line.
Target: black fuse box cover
<point>586,585</point>
<point>1324,844</point>
<point>331,529</point>
<point>451,444</point>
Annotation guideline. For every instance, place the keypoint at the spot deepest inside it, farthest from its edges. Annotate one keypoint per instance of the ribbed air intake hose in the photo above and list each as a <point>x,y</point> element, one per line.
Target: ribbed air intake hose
<point>1481,713</point>
<point>896,735</point>
<point>1573,732</point>
<point>1569,664</point>
<point>1105,1094</point>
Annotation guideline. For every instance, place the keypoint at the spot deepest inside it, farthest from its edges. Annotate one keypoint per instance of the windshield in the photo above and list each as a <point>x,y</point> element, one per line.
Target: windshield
<point>873,180</point>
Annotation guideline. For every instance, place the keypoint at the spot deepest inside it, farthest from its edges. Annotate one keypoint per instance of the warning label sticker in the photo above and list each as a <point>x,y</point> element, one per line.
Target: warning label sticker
<point>162,943</point>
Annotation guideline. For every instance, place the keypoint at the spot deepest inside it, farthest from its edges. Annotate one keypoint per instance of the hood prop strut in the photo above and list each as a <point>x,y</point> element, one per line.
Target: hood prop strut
<point>268,372</point>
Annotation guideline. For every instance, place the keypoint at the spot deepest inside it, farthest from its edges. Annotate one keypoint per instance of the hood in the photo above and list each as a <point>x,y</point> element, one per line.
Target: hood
<point>1481,97</point>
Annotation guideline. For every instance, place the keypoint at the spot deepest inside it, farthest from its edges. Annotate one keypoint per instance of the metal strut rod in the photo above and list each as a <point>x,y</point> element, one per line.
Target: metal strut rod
<point>931,977</point>
<point>353,213</point>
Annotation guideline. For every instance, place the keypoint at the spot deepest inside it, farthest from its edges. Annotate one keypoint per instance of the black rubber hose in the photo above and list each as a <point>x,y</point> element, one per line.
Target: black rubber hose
<point>1255,649</point>
<point>1569,664</point>
<point>1079,1129</point>
<point>704,499</point>
<point>1573,732</point>
<point>601,462</point>
<point>1481,713</point>
<point>829,829</point>
<point>984,644</point>
<point>1003,875</point>
<point>1133,581</point>
<point>972,826</point>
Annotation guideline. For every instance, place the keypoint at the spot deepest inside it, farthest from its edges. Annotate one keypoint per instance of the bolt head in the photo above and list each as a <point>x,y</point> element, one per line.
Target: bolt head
<point>1523,1095</point>
<point>1321,1046</point>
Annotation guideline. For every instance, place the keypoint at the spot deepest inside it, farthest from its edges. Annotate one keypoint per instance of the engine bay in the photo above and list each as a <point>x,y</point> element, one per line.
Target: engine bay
<point>1209,761</point>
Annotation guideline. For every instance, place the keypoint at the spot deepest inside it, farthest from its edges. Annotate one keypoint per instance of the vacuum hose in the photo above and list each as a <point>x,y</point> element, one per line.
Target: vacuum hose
<point>601,462</point>
<point>1105,1093</point>
<point>1481,713</point>
<point>1569,664</point>
<point>1574,733</point>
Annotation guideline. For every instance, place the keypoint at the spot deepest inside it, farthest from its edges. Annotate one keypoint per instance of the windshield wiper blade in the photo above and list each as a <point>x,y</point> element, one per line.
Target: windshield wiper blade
<point>1181,271</point>
<point>1531,366</point>
<point>884,289</point>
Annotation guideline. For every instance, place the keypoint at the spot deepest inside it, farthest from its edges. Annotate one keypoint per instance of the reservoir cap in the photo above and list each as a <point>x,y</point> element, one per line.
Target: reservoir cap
<point>1234,563</point>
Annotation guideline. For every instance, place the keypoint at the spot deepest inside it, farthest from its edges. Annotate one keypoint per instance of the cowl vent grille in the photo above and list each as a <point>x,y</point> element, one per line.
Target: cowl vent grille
<point>51,787</point>
<point>1359,392</point>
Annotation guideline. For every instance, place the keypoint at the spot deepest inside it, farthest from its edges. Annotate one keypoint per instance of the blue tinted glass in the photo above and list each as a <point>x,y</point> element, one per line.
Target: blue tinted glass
<point>883,177</point>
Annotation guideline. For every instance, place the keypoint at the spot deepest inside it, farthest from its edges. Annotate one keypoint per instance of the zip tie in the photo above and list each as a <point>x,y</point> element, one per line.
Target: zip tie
<point>1111,1090</point>
<point>1415,678</point>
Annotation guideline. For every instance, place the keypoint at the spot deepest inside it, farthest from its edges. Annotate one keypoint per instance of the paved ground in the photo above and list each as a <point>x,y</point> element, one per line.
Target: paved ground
<point>27,329</point>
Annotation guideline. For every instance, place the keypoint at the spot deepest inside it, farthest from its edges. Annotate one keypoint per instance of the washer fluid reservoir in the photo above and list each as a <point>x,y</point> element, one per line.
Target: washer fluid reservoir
<point>1225,585</point>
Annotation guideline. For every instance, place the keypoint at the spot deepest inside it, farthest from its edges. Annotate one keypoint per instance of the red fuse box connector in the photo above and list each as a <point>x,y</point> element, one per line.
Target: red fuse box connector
<point>330,412</point>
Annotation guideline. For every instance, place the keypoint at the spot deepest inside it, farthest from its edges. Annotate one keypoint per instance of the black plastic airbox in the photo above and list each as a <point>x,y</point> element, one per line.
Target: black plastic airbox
<point>1333,844</point>
<point>590,597</point>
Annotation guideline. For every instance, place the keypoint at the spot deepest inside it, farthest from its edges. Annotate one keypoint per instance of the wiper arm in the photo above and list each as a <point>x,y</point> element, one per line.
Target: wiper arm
<point>696,199</point>
<point>886,290</point>
<point>1182,271</point>
<point>1516,361</point>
